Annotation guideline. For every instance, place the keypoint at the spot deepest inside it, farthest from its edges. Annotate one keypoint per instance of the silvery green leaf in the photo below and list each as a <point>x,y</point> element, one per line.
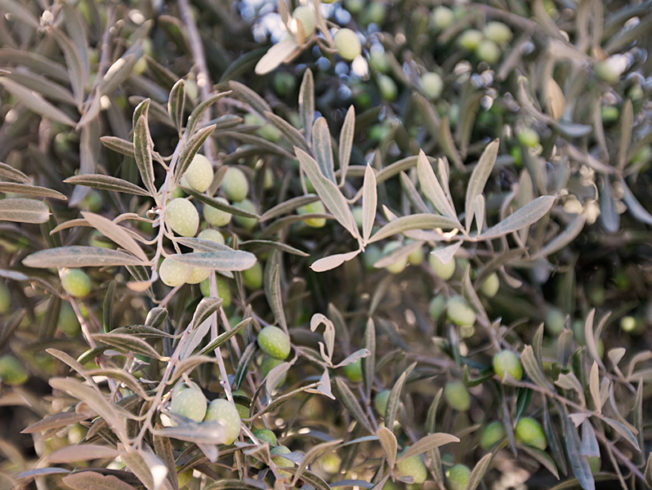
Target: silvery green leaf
<point>222,260</point>
<point>36,103</point>
<point>432,188</point>
<point>478,180</point>
<point>323,150</point>
<point>307,104</point>
<point>522,217</point>
<point>346,143</point>
<point>79,256</point>
<point>413,222</point>
<point>330,195</point>
<point>106,183</point>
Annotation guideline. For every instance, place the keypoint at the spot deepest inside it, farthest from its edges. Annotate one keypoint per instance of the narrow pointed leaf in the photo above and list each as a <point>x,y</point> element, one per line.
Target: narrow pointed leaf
<point>21,210</point>
<point>522,217</point>
<point>478,180</point>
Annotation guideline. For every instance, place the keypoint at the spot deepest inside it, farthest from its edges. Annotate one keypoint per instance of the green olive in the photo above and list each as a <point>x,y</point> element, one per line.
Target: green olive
<point>12,371</point>
<point>529,432</point>
<point>76,282</point>
<point>458,477</point>
<point>235,184</point>
<point>353,371</point>
<point>274,342</point>
<point>189,402</point>
<point>182,217</point>
<point>506,362</point>
<point>491,434</point>
<point>457,396</point>
<point>412,467</point>
<point>225,413</point>
<point>347,44</point>
<point>459,312</point>
<point>199,174</point>
<point>174,273</point>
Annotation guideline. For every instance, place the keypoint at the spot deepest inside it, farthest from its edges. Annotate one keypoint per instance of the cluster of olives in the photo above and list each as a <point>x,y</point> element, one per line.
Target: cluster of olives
<point>487,44</point>
<point>182,217</point>
<point>189,402</point>
<point>345,41</point>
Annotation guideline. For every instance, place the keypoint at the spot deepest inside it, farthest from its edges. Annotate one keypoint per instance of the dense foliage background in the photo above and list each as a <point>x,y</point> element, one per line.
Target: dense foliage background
<point>474,178</point>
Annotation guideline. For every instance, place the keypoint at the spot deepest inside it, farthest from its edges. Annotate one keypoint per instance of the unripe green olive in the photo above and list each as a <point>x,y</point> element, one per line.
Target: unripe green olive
<point>347,44</point>
<point>506,362</point>
<point>316,207</point>
<point>268,364</point>
<point>387,87</point>
<point>246,223</point>
<point>211,235</point>
<point>356,211</point>
<point>184,477</point>
<point>488,51</point>
<point>490,285</point>
<point>199,174</point>
<point>609,114</point>
<point>353,371</point>
<point>442,17</point>
<point>528,137</point>
<point>436,307</point>
<point>415,257</point>
<point>174,273</point>
<point>12,371</point>
<point>380,402</point>
<point>5,298</point>
<point>497,32</point>
<point>529,432</point>
<point>443,270</point>
<point>457,396</point>
<point>554,321</point>
<point>331,462</point>
<point>459,312</point>
<point>611,69</point>
<point>223,289</point>
<point>306,16</point>
<point>225,413</point>
<point>200,274</point>
<point>266,435</point>
<point>458,477</point>
<point>284,84</point>
<point>470,39</point>
<point>253,277</point>
<point>92,201</point>
<point>374,13</point>
<point>491,434</point>
<point>197,275</point>
<point>378,60</point>
<point>432,85</point>
<point>412,467</point>
<point>274,342</point>
<point>217,217</point>
<point>279,460</point>
<point>96,239</point>
<point>67,321</point>
<point>371,255</point>
<point>182,216</point>
<point>628,323</point>
<point>235,184</point>
<point>189,402</point>
<point>398,266</point>
<point>594,463</point>
<point>76,282</point>
<point>354,6</point>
